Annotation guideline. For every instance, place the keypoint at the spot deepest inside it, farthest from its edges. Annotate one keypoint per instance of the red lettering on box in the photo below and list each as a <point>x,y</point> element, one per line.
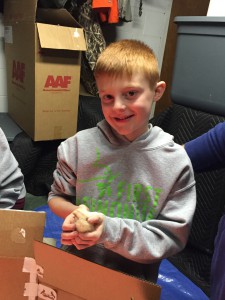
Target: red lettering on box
<point>18,71</point>
<point>57,83</point>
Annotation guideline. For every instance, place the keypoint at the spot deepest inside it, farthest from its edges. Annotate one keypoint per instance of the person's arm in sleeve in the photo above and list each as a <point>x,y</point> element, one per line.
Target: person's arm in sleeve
<point>206,152</point>
<point>11,177</point>
<point>63,190</point>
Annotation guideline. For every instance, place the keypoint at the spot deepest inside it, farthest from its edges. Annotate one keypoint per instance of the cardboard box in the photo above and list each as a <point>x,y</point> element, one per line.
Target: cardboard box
<point>18,230</point>
<point>73,278</point>
<point>43,55</point>
<point>54,274</point>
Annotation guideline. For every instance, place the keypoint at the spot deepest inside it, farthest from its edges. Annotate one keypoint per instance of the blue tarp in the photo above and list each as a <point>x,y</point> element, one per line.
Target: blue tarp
<point>176,286</point>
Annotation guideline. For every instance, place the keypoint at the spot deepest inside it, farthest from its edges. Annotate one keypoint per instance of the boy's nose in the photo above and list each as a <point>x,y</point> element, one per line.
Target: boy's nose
<point>119,103</point>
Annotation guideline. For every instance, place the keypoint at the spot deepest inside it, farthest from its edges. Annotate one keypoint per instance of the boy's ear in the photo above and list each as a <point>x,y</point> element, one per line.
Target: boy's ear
<point>159,90</point>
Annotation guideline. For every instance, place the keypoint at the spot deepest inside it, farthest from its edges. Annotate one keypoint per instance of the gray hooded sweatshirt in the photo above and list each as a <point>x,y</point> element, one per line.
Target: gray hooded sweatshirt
<point>11,179</point>
<point>146,189</point>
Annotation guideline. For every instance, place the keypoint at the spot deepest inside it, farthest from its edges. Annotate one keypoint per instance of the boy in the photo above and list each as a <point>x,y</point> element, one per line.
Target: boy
<point>12,189</point>
<point>134,184</point>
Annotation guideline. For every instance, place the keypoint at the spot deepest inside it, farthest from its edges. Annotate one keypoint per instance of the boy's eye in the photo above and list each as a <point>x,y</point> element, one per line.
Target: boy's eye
<point>107,97</point>
<point>130,94</point>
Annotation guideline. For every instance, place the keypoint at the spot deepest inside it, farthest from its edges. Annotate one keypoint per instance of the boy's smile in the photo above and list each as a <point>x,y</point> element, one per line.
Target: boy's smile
<point>127,103</point>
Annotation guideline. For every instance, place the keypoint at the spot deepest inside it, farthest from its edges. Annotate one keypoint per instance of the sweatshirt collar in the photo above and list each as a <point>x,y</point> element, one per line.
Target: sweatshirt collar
<point>116,139</point>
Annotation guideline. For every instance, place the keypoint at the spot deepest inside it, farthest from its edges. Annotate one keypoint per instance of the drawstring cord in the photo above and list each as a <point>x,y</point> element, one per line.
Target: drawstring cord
<point>140,8</point>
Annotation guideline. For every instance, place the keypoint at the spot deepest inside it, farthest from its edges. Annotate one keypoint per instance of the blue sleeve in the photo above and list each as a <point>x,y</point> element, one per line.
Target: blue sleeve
<point>207,152</point>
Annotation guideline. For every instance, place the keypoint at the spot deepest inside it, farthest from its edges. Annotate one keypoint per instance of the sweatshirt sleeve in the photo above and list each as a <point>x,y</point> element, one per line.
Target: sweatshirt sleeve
<point>158,238</point>
<point>11,177</point>
<point>207,151</point>
<point>64,183</point>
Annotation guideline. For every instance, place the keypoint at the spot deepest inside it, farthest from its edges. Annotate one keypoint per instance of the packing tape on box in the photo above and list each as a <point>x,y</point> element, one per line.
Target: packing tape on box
<point>32,289</point>
<point>30,266</point>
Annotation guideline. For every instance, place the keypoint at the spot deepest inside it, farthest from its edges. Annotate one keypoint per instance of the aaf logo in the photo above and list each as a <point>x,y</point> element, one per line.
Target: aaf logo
<point>57,83</point>
<point>18,71</point>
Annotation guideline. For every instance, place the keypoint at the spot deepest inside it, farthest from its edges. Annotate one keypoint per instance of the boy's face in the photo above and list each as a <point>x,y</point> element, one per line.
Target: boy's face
<point>126,103</point>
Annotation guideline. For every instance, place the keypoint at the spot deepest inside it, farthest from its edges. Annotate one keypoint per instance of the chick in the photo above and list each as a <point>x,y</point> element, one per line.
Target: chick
<point>82,225</point>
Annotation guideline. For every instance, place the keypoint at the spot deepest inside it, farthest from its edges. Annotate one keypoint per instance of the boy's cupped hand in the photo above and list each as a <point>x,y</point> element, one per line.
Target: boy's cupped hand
<point>82,228</point>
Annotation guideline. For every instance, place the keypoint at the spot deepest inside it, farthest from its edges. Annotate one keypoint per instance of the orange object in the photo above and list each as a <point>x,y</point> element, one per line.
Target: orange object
<point>107,9</point>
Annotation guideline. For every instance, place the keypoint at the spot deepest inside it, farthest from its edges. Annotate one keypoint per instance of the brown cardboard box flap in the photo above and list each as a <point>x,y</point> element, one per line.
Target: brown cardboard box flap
<point>61,38</point>
<point>12,278</point>
<point>17,264</point>
<point>26,10</point>
<point>18,230</point>
<point>20,10</point>
<point>56,17</point>
<point>75,276</point>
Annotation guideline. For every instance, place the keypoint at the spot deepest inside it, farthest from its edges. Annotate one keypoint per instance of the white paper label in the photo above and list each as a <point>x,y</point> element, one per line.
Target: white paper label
<point>8,34</point>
